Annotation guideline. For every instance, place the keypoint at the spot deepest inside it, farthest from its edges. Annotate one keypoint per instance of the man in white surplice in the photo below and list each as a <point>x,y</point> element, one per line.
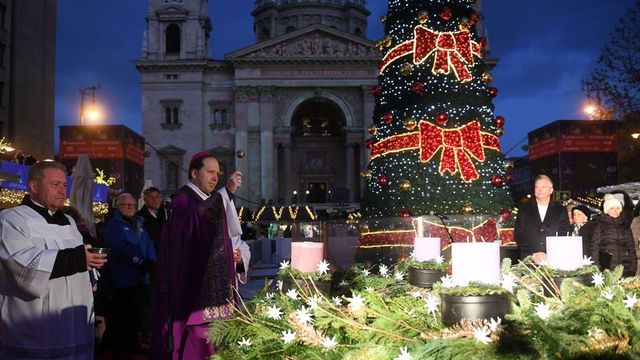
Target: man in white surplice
<point>240,248</point>
<point>46,304</point>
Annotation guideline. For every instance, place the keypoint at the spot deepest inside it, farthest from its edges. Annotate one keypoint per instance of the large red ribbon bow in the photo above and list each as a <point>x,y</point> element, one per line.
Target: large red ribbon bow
<point>452,50</point>
<point>458,146</point>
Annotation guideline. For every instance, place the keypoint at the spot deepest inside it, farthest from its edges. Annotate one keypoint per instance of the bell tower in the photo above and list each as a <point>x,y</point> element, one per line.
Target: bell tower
<point>176,30</point>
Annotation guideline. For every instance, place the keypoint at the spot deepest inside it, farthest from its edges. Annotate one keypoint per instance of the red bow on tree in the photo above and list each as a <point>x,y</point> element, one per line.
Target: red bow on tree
<point>452,50</point>
<point>458,146</point>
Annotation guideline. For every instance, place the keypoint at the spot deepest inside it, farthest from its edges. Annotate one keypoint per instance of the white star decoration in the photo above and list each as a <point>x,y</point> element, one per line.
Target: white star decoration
<point>431,303</point>
<point>356,303</point>
<point>244,342</point>
<point>630,301</point>
<point>398,275</point>
<point>586,261</point>
<point>284,264</point>
<point>329,343</point>
<point>343,283</point>
<point>292,294</point>
<point>288,336</point>
<point>384,270</point>
<point>279,284</point>
<point>597,279</point>
<point>543,311</point>
<point>366,272</point>
<point>608,294</point>
<point>314,301</point>
<point>416,294</point>
<point>323,267</point>
<point>270,296</point>
<point>508,282</point>
<point>482,335</point>
<point>404,354</point>
<point>274,313</point>
<point>440,259</point>
<point>337,300</point>
<point>447,281</point>
<point>495,325</point>
<point>304,316</point>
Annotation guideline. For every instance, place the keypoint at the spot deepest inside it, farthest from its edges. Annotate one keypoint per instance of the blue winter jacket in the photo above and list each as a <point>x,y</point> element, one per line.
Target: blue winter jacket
<point>132,252</point>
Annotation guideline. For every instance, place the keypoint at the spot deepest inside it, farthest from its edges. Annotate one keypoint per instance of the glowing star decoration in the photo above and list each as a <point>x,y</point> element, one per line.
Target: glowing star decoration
<point>630,301</point>
<point>404,354</point>
<point>292,294</point>
<point>495,324</point>
<point>458,145</point>
<point>607,294</point>
<point>329,343</point>
<point>244,343</point>
<point>383,270</point>
<point>274,313</point>
<point>482,335</point>
<point>432,304</point>
<point>597,279</point>
<point>452,51</point>
<point>543,311</point>
<point>288,336</point>
<point>586,261</point>
<point>356,303</point>
<point>323,267</point>
<point>284,265</point>
<point>314,302</point>
<point>398,275</point>
<point>304,316</point>
<point>508,282</point>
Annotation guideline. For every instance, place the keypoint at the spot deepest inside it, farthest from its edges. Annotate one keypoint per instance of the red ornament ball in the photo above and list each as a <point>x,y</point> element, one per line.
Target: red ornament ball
<point>500,121</point>
<point>473,19</point>
<point>497,181</point>
<point>505,215</point>
<point>510,178</point>
<point>442,118</point>
<point>405,213</point>
<point>388,117</point>
<point>383,180</point>
<point>376,90</point>
<point>417,88</point>
<point>493,92</point>
<point>368,143</point>
<point>446,14</point>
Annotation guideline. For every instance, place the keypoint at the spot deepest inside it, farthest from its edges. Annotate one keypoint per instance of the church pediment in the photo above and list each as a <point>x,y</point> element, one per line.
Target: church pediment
<point>315,42</point>
<point>172,12</point>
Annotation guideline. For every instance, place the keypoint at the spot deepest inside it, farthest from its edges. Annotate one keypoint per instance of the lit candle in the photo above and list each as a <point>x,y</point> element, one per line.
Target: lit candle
<point>426,248</point>
<point>306,255</point>
<point>564,252</point>
<point>475,262</point>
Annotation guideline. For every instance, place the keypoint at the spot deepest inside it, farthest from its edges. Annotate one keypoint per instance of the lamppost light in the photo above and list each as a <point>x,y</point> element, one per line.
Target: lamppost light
<point>635,135</point>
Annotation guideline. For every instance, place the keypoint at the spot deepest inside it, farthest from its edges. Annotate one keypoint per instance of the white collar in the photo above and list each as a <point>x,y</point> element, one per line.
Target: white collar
<point>42,206</point>
<point>197,190</point>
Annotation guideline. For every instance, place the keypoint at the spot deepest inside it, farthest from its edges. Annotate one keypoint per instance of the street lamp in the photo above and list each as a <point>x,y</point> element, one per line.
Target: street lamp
<point>635,135</point>
<point>595,111</point>
<point>92,112</point>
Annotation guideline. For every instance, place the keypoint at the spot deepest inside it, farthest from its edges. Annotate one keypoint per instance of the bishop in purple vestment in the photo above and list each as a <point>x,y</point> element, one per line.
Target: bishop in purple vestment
<point>196,269</point>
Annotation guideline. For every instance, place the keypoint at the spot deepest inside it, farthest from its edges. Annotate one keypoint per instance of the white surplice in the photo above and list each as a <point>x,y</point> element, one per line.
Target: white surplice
<point>41,318</point>
<point>235,233</point>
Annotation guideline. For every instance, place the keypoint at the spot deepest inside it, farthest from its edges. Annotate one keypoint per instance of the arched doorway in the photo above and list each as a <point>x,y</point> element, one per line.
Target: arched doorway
<point>318,163</point>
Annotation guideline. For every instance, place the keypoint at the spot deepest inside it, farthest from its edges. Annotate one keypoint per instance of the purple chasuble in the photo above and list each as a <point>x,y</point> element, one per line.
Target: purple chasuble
<point>196,251</point>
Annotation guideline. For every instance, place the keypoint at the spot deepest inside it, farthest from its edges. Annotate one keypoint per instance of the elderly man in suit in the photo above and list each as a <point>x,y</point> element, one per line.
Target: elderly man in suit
<point>538,218</point>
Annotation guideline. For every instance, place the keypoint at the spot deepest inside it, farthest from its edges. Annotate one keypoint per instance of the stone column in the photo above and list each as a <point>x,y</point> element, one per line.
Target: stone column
<point>286,159</point>
<point>368,106</point>
<point>241,141</point>
<point>349,149</point>
<point>266,143</point>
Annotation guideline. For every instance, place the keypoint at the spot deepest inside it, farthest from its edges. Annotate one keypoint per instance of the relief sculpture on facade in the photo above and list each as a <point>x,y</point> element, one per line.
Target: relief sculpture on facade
<point>317,46</point>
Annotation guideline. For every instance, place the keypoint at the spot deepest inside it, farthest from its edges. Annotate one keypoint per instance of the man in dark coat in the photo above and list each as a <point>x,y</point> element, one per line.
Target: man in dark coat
<point>153,214</point>
<point>539,218</point>
<point>196,268</point>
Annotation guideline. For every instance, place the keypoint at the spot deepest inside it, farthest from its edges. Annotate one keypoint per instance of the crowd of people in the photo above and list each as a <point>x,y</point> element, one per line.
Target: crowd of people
<point>69,292</point>
<point>610,239</point>
<point>152,280</point>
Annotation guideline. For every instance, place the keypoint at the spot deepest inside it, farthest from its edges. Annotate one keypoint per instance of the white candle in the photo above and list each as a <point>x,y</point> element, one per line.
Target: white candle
<point>475,262</point>
<point>419,227</point>
<point>306,255</point>
<point>564,252</point>
<point>426,248</point>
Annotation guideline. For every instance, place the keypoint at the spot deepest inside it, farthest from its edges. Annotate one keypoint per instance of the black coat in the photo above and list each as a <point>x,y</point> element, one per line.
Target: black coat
<point>613,235</point>
<point>586,232</point>
<point>153,225</point>
<point>531,233</point>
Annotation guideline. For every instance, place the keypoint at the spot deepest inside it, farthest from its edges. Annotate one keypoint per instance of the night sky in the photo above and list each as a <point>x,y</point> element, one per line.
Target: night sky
<point>545,47</point>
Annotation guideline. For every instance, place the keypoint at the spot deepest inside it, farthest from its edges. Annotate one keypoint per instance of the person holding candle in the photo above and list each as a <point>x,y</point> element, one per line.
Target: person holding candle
<point>612,235</point>
<point>196,267</point>
<point>582,227</point>
<point>539,218</point>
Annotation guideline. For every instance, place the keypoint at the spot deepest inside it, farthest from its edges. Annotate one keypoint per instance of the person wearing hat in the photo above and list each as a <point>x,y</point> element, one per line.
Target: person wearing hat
<point>612,235</point>
<point>582,226</point>
<point>196,267</point>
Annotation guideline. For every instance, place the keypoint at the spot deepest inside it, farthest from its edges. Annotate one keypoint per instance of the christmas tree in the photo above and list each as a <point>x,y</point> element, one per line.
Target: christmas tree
<point>435,140</point>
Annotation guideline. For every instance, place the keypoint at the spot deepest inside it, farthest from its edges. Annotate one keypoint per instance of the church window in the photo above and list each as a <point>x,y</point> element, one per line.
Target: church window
<point>264,34</point>
<point>172,44</point>
<point>171,76</point>
<point>173,174</point>
<point>220,119</point>
<point>171,113</point>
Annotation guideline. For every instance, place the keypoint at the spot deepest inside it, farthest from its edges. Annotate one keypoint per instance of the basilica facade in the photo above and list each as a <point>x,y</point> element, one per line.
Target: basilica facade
<point>290,111</point>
